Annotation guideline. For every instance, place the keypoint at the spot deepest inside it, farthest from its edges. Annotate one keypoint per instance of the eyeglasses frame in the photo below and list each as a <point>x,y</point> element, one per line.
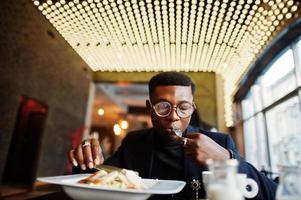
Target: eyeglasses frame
<point>172,107</point>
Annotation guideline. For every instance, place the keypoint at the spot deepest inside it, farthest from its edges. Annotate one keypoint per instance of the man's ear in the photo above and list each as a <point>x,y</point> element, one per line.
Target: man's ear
<point>148,104</point>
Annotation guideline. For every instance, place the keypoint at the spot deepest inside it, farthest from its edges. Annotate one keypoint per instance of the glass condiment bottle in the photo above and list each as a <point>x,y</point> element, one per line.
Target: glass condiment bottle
<point>223,184</point>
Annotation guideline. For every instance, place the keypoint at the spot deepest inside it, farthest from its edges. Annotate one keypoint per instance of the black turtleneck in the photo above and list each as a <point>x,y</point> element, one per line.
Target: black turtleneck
<point>167,159</point>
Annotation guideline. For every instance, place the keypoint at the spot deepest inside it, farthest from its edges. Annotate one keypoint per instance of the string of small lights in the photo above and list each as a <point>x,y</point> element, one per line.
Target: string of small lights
<point>222,36</point>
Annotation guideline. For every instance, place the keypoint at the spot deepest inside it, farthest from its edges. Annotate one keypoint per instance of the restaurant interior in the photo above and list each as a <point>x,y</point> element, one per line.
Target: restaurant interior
<point>70,68</point>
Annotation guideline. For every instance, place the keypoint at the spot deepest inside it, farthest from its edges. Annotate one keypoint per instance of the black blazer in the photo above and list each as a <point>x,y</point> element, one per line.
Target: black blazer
<point>137,150</point>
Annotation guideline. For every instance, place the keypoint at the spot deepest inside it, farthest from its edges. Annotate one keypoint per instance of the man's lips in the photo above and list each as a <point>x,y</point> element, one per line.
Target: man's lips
<point>167,131</point>
<point>173,131</point>
<point>170,133</point>
<point>170,130</point>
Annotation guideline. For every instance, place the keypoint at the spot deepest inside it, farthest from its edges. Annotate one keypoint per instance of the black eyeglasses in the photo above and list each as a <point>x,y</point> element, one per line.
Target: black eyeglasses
<point>183,109</point>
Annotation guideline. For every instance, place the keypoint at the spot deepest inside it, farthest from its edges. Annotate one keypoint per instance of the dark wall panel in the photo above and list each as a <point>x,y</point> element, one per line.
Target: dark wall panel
<point>37,62</point>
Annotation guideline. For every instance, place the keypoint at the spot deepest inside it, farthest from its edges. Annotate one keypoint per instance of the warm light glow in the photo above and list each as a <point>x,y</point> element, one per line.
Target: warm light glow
<point>101,111</point>
<point>124,124</point>
<point>179,35</point>
<point>117,129</point>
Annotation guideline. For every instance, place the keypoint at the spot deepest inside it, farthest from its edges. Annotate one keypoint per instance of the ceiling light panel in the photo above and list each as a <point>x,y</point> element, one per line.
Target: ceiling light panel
<point>223,36</point>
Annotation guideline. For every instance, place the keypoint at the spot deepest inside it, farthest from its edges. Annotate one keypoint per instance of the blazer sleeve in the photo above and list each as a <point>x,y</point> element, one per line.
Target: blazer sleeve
<point>267,187</point>
<point>124,157</point>
<point>116,159</point>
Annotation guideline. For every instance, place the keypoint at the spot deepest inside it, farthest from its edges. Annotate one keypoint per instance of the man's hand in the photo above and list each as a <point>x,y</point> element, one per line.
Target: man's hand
<point>200,147</point>
<point>88,154</point>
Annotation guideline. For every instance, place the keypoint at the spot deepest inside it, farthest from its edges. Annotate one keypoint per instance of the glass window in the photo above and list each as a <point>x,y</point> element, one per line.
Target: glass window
<point>247,107</point>
<point>256,93</point>
<point>252,103</point>
<point>250,141</point>
<point>298,59</point>
<point>255,142</point>
<point>282,120</point>
<point>279,80</point>
<point>299,51</point>
<point>261,140</point>
<point>266,126</point>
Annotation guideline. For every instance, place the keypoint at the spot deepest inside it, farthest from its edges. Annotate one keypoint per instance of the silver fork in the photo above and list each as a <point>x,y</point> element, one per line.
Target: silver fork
<point>177,131</point>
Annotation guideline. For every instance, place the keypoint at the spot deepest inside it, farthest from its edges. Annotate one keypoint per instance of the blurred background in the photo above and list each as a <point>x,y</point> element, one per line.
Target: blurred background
<point>72,68</point>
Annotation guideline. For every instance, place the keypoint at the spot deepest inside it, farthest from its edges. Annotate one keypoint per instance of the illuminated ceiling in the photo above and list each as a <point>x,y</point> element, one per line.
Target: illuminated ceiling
<point>222,36</point>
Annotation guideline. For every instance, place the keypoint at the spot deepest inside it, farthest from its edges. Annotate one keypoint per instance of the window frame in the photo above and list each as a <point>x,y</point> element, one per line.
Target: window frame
<point>296,92</point>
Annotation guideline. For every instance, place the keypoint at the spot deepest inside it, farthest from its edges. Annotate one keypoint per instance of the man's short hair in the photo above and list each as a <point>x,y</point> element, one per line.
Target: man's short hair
<point>169,79</point>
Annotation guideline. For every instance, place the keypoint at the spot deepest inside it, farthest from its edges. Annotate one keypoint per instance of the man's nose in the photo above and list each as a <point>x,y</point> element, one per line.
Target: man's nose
<point>173,114</point>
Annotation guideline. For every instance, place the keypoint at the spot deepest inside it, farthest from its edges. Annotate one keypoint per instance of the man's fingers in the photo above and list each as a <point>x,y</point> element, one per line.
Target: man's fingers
<point>194,140</point>
<point>80,157</point>
<point>187,142</point>
<point>96,152</point>
<point>188,151</point>
<point>193,135</point>
<point>72,157</point>
<point>87,152</point>
<point>183,141</point>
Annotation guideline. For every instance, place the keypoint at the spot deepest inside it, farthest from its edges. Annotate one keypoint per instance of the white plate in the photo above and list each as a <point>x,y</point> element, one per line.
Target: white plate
<point>79,191</point>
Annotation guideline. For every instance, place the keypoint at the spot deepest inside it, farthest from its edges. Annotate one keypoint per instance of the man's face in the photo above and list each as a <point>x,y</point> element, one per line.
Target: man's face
<point>174,95</point>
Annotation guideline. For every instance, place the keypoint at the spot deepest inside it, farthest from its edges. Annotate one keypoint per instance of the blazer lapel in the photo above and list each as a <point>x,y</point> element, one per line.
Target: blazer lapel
<point>192,171</point>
